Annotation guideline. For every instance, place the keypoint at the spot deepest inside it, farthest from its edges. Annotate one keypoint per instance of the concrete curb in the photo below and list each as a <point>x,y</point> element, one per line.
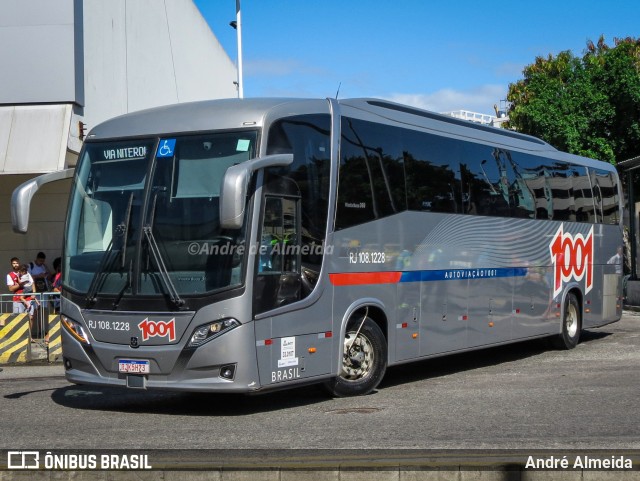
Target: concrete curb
<point>338,465</point>
<point>394,474</point>
<point>28,371</point>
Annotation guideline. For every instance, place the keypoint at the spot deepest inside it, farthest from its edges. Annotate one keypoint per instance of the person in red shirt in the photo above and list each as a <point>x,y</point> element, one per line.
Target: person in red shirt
<point>14,286</point>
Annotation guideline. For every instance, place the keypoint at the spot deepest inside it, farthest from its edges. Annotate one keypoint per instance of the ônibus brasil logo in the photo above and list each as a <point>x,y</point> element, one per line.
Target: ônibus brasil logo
<point>572,258</point>
<point>160,328</point>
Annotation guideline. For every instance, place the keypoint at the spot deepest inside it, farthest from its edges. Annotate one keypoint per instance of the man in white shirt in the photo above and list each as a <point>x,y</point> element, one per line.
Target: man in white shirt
<point>39,272</point>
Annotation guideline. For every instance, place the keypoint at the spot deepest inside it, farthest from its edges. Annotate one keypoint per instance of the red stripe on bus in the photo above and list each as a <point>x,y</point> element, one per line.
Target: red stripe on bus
<point>359,278</point>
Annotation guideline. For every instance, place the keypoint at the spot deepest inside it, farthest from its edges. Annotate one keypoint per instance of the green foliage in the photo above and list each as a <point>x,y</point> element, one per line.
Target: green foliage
<point>587,106</point>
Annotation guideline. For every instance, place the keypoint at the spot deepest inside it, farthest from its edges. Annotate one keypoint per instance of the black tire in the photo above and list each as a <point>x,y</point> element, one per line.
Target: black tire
<point>364,367</point>
<point>571,324</point>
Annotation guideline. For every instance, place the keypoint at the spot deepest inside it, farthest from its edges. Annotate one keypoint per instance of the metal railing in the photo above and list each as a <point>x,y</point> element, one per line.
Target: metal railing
<point>472,116</point>
<point>38,306</point>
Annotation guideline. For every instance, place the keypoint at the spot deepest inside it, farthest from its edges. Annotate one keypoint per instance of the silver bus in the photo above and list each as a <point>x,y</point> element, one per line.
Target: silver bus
<point>249,245</point>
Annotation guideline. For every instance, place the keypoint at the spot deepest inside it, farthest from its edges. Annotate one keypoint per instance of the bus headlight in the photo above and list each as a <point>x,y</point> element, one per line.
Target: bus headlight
<point>210,331</point>
<point>75,329</point>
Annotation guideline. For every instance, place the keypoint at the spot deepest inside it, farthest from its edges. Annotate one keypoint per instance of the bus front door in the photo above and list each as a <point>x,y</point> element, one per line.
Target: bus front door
<point>291,344</point>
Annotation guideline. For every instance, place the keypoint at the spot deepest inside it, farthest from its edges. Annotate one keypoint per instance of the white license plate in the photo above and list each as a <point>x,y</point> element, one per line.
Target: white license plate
<point>133,366</point>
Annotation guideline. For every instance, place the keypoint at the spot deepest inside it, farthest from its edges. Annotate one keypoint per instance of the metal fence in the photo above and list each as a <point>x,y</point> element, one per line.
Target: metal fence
<point>39,306</point>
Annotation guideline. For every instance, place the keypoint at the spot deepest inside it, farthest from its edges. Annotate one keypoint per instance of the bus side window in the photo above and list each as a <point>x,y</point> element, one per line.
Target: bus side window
<point>532,172</point>
<point>605,191</point>
<point>307,137</point>
<point>355,200</point>
<point>559,178</point>
<point>371,180</point>
<point>432,173</point>
<point>278,280</point>
<point>583,195</point>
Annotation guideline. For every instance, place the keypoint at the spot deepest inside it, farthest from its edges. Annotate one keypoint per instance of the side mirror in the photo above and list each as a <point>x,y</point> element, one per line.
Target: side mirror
<point>233,191</point>
<point>22,195</point>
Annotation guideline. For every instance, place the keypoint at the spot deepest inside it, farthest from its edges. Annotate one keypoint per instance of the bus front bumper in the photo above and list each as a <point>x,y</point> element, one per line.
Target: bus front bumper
<point>224,364</point>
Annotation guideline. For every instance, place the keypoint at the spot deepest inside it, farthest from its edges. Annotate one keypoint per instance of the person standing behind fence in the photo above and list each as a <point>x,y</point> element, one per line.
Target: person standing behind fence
<point>26,281</point>
<point>40,272</point>
<point>56,282</point>
<point>13,284</point>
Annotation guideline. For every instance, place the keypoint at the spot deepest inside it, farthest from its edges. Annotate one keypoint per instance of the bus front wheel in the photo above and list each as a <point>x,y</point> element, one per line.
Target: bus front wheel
<point>571,324</point>
<point>364,359</point>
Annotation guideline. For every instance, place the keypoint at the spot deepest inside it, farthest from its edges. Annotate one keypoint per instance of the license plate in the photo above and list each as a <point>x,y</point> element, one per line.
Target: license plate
<point>133,366</point>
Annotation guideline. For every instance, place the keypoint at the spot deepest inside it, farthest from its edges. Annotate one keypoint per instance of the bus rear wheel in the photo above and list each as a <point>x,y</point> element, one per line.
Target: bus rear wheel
<point>571,324</point>
<point>364,359</point>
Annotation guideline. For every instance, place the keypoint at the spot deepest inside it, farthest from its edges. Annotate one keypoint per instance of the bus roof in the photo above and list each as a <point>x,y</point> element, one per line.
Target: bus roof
<point>226,114</point>
<point>222,114</point>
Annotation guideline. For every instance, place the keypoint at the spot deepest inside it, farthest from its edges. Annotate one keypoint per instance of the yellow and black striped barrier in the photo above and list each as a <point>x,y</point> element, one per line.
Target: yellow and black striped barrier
<point>55,339</point>
<point>16,343</point>
<point>15,338</point>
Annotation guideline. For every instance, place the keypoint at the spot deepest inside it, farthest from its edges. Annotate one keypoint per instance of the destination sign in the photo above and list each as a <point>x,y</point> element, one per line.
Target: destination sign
<point>125,153</point>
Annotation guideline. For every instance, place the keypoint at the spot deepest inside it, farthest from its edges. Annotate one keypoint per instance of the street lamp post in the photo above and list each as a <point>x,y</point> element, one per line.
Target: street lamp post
<point>237,25</point>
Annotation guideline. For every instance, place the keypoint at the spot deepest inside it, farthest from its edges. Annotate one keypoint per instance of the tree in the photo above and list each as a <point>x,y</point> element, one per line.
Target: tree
<point>588,106</point>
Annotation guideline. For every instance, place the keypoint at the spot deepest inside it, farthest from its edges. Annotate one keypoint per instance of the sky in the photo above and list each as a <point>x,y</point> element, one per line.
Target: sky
<point>438,55</point>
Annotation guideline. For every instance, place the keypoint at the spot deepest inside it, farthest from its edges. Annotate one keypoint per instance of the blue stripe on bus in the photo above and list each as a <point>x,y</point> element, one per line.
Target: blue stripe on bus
<point>462,274</point>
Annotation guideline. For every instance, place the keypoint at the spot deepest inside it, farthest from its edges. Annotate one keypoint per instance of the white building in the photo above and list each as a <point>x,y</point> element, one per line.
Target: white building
<point>68,65</point>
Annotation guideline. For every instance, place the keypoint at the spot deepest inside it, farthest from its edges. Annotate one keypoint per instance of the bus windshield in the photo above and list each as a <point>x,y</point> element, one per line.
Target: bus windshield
<point>144,217</point>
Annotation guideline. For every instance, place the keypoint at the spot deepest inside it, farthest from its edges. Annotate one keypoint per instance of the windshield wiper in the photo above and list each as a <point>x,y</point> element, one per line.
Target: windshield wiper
<point>157,256</point>
<point>121,230</point>
<point>126,286</point>
<point>162,268</point>
<point>96,280</point>
<point>125,234</point>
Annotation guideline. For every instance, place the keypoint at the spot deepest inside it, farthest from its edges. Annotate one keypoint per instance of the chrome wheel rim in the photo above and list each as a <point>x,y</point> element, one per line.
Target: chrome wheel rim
<point>571,321</point>
<point>358,357</point>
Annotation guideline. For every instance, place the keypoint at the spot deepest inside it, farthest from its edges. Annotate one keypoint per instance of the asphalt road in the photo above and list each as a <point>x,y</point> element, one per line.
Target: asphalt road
<point>524,396</point>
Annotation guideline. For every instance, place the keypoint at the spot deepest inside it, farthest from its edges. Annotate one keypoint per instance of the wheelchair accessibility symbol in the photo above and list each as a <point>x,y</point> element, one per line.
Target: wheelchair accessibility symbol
<point>166,148</point>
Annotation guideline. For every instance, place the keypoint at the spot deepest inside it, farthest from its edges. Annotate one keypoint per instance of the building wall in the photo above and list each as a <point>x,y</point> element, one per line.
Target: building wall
<point>33,138</point>
<point>40,63</point>
<point>145,53</point>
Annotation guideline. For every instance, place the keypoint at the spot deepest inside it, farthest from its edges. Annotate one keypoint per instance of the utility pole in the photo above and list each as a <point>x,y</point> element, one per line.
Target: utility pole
<point>237,25</point>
